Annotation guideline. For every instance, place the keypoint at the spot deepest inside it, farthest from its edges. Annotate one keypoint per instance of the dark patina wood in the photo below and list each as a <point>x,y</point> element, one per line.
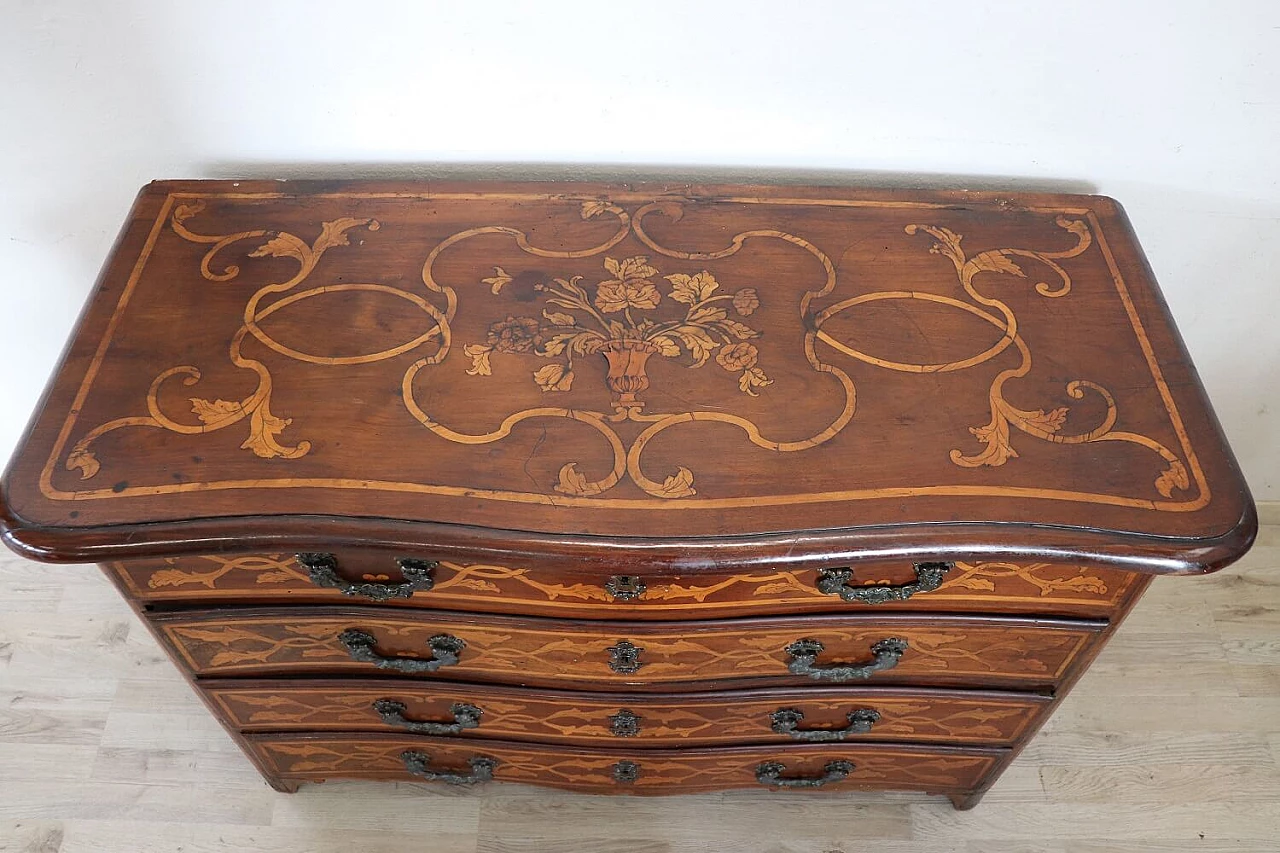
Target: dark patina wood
<point>958,650</point>
<point>870,371</point>
<point>569,591</point>
<point>982,718</point>
<point>629,488</point>
<point>937,769</point>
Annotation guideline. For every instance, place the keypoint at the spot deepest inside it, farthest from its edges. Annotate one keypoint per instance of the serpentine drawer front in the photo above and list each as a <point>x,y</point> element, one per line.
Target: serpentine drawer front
<point>963,651</point>
<point>993,586</point>
<point>805,715</point>
<point>627,488</point>
<point>939,769</point>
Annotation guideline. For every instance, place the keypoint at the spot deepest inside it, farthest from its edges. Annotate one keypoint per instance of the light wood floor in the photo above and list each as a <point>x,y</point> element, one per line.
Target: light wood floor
<point>1170,743</point>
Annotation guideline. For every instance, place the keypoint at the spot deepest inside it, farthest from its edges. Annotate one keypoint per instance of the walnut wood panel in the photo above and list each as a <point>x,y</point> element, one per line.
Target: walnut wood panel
<point>687,376</point>
<point>968,651</point>
<point>999,587</point>
<point>936,769</point>
<point>691,719</point>
<point>718,392</point>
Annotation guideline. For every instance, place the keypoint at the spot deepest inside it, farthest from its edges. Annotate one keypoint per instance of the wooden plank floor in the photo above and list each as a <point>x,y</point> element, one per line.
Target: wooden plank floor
<point>1170,743</point>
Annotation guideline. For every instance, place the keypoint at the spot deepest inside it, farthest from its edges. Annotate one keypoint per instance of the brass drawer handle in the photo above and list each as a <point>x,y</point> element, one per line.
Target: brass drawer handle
<point>444,652</point>
<point>323,569</point>
<point>786,721</point>
<point>464,717</point>
<point>804,654</point>
<point>770,773</point>
<point>836,582</point>
<point>418,763</point>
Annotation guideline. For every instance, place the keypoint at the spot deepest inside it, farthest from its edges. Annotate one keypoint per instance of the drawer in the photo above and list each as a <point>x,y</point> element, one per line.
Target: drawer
<point>980,587</point>
<point>316,757</point>
<point>811,715</point>
<point>970,651</point>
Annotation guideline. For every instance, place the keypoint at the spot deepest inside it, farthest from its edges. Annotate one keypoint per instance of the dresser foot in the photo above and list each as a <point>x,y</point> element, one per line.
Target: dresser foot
<point>283,786</point>
<point>964,802</point>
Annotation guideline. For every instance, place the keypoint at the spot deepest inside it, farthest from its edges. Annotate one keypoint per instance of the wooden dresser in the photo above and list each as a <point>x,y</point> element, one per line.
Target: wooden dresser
<point>632,489</point>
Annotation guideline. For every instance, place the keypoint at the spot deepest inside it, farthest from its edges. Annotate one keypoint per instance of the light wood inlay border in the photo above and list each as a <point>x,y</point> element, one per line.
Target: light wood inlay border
<point>50,491</point>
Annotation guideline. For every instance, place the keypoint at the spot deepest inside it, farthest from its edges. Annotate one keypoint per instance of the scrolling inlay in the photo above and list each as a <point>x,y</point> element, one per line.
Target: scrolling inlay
<point>952,718</point>
<point>366,758</point>
<point>637,312</point>
<point>1027,581</point>
<point>1025,652</point>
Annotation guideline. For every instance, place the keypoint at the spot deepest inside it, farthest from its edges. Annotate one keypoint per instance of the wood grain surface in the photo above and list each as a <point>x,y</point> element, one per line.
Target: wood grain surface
<point>574,591</point>
<point>968,651</point>
<point>698,396</point>
<point>1168,745</point>
<point>703,375</point>
<point>937,769</point>
<point>692,719</point>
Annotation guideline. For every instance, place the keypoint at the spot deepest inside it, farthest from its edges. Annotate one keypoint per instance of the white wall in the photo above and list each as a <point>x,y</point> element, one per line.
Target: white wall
<point>1172,106</point>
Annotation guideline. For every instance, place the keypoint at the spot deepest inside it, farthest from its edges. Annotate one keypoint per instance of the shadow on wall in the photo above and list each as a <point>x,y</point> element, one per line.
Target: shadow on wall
<point>629,172</point>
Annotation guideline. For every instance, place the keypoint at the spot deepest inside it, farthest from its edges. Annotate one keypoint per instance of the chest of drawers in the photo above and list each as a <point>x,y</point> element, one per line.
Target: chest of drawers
<point>630,489</point>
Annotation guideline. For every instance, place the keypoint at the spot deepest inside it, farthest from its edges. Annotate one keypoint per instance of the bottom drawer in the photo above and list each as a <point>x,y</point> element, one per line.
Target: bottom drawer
<point>985,718</point>
<point>933,769</point>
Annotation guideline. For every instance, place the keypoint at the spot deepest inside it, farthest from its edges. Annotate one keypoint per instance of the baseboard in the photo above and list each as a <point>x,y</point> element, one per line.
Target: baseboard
<point>1269,512</point>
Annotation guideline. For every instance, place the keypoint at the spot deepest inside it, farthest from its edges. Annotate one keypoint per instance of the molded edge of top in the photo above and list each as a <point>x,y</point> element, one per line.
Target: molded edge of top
<point>909,542</point>
<point>920,541</point>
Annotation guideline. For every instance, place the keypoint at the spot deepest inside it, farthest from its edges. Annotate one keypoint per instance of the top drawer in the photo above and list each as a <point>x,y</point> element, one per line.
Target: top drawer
<point>981,587</point>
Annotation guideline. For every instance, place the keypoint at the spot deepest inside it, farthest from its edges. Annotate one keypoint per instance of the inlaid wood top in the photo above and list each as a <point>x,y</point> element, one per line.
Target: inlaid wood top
<point>684,370</point>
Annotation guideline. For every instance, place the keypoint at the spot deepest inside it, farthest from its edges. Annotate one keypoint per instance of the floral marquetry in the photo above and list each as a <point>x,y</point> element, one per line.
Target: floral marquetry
<point>735,717</point>
<point>935,650</point>
<point>1032,587</point>
<point>628,489</point>
<point>606,360</point>
<point>938,769</point>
